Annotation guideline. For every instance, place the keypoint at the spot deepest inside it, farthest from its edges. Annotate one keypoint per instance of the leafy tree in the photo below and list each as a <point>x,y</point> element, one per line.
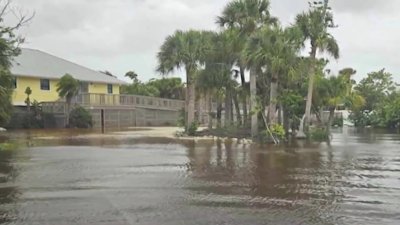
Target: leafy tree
<point>375,88</point>
<point>5,96</point>
<point>185,50</point>
<point>315,25</point>
<point>9,48</point>
<point>68,88</point>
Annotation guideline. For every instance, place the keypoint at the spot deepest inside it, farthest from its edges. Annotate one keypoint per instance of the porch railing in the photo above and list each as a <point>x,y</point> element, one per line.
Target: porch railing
<point>128,100</point>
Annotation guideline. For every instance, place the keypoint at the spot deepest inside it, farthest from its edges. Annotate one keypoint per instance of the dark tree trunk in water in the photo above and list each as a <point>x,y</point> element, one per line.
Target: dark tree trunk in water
<point>228,107</point>
<point>244,97</point>
<point>237,108</point>
<point>219,114</point>
<point>209,110</point>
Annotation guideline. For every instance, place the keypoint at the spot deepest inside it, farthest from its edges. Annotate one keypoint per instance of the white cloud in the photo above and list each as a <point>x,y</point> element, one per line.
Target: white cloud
<point>122,35</point>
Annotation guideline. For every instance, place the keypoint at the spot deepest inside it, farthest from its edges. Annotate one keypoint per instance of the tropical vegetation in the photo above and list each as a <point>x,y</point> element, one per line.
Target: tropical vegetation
<point>9,48</point>
<point>285,87</point>
<point>68,88</point>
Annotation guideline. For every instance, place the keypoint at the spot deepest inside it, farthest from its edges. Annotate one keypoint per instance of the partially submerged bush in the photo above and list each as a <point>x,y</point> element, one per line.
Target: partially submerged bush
<point>192,129</point>
<point>80,118</point>
<point>337,122</point>
<point>319,134</point>
<point>276,130</point>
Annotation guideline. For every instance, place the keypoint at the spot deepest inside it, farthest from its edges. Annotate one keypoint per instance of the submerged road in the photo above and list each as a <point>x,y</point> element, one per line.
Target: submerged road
<point>160,181</point>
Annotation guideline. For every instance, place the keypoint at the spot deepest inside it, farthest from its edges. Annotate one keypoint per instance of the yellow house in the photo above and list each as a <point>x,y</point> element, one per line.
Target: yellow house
<point>41,72</point>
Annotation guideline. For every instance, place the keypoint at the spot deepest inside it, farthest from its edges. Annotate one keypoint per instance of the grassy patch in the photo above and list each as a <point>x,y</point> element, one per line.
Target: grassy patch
<point>8,146</point>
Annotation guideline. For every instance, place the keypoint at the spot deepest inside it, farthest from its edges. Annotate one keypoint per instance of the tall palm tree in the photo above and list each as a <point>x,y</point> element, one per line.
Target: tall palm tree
<point>275,50</point>
<point>248,16</point>
<point>68,88</point>
<point>185,49</point>
<point>315,25</point>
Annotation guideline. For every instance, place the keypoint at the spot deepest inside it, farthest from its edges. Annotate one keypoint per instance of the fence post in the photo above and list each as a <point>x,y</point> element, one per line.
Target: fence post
<point>102,121</point>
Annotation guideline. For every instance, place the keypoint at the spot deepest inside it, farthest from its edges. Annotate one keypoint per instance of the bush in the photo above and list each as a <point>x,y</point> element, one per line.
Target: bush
<point>80,118</point>
<point>337,122</point>
<point>278,131</point>
<point>191,131</point>
<point>181,118</point>
<point>319,134</point>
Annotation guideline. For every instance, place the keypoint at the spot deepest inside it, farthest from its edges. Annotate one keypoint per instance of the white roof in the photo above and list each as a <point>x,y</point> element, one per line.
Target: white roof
<point>35,63</point>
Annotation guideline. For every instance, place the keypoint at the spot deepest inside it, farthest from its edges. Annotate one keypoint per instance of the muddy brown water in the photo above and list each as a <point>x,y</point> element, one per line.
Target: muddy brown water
<point>70,179</point>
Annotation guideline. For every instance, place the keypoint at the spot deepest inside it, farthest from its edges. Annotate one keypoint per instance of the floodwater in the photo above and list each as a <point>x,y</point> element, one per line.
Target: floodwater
<point>76,180</point>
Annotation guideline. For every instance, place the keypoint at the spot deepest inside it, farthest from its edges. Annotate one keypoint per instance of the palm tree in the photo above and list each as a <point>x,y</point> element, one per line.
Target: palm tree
<point>185,50</point>
<point>133,76</point>
<point>314,25</point>
<point>68,88</point>
<point>333,91</point>
<point>28,92</point>
<point>247,16</point>
<point>275,50</point>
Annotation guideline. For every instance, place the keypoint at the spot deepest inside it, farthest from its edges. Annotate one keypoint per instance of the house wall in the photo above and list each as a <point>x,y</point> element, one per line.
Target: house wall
<point>39,95</point>
<point>97,88</point>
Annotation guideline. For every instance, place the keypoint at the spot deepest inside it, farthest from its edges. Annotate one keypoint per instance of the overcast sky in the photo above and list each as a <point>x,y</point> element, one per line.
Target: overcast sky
<point>123,35</point>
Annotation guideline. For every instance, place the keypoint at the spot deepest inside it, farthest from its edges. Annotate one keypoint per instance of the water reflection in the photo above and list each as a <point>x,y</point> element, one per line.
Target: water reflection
<point>355,180</point>
<point>319,182</point>
<point>8,193</point>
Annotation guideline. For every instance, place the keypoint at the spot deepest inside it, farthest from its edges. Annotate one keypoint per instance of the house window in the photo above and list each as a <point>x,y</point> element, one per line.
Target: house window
<point>14,83</point>
<point>83,87</point>
<point>109,88</point>
<point>45,84</point>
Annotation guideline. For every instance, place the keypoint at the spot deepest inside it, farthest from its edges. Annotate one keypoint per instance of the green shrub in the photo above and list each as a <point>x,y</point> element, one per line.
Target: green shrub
<point>192,129</point>
<point>337,122</point>
<point>319,134</point>
<point>80,118</point>
<point>181,118</point>
<point>278,131</point>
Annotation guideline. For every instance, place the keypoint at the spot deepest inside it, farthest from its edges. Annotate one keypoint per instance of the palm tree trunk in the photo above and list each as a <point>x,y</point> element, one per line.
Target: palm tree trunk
<point>219,113</point>
<point>253,102</point>
<point>209,110</point>
<point>330,120</point>
<point>228,107</point>
<point>244,97</point>
<point>68,110</point>
<point>190,97</point>
<point>307,119</point>
<point>273,100</point>
<point>237,108</point>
